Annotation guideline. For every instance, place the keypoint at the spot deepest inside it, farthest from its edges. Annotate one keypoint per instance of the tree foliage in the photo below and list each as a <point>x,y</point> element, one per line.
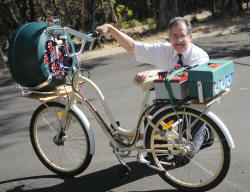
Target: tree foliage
<point>87,14</point>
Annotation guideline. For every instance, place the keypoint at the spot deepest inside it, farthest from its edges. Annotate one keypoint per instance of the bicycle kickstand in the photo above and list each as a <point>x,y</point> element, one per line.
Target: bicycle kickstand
<point>124,171</point>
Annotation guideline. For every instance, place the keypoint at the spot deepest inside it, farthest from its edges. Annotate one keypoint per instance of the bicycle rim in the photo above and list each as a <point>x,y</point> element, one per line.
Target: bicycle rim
<point>200,172</point>
<point>71,155</point>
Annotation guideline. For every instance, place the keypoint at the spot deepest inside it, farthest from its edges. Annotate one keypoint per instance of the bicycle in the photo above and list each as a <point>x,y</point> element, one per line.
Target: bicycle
<point>63,140</point>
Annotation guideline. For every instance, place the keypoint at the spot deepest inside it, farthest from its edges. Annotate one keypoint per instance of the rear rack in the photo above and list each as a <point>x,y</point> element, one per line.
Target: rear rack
<point>195,102</point>
<point>208,102</point>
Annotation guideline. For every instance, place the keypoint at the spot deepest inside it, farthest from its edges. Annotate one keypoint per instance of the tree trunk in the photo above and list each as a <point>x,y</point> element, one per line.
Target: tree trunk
<point>167,10</point>
<point>212,7</point>
<point>240,5</point>
<point>162,22</point>
<point>93,19</point>
<point>235,7</point>
<point>68,15</point>
<point>225,6</point>
<point>2,63</point>
<point>32,10</point>
<point>104,12</point>
<point>56,11</point>
<point>111,8</point>
<point>42,8</point>
<point>12,13</point>
<point>181,7</point>
<point>23,10</point>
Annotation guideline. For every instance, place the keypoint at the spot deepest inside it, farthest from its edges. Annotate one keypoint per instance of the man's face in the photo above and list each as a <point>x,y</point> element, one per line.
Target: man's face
<point>179,38</point>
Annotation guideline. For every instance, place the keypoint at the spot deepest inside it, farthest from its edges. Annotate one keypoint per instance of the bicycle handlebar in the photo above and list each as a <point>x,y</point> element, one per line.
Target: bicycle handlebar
<point>78,34</point>
<point>90,37</point>
<point>61,38</point>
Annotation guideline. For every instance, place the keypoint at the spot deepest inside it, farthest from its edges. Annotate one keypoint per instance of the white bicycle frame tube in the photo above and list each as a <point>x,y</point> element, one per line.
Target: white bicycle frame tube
<point>74,96</point>
<point>79,78</point>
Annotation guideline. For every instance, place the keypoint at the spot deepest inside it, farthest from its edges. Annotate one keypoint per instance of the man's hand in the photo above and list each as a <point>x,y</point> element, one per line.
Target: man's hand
<point>104,29</point>
<point>142,76</point>
<point>124,40</point>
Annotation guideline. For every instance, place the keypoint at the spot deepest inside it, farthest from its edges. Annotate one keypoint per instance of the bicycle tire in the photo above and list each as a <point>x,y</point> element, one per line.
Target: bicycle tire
<point>186,172</point>
<point>72,155</point>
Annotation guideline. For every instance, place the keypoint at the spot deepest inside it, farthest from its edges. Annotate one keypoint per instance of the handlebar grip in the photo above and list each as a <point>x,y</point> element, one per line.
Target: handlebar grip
<point>94,33</point>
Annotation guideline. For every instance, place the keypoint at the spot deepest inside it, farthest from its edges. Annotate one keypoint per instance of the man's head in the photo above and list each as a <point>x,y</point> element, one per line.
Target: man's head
<point>180,33</point>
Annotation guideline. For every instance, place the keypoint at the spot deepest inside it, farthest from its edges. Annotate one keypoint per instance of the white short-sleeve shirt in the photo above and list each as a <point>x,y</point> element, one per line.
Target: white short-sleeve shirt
<point>165,57</point>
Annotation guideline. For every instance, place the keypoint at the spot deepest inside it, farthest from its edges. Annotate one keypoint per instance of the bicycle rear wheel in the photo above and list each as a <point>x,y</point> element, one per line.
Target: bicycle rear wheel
<point>193,164</point>
<point>68,156</point>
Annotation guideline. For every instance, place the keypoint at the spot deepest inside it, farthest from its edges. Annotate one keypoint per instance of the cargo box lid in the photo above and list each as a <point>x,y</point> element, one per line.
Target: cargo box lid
<point>212,70</point>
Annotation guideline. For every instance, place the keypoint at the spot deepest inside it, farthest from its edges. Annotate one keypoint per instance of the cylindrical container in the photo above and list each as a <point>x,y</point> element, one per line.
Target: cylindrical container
<point>36,59</point>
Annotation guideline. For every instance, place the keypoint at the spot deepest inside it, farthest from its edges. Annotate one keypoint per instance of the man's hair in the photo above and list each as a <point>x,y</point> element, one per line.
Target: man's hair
<point>175,21</point>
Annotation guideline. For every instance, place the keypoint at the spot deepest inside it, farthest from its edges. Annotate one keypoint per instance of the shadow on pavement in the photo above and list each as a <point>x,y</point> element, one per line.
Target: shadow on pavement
<point>99,181</point>
<point>224,47</point>
<point>9,125</point>
<point>6,81</point>
<point>228,52</point>
<point>93,63</point>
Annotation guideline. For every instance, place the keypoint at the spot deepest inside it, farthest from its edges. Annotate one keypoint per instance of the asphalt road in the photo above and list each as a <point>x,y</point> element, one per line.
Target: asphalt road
<point>21,171</point>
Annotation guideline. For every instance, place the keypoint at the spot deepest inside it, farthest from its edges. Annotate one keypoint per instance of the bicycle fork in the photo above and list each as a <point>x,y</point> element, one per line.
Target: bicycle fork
<point>63,127</point>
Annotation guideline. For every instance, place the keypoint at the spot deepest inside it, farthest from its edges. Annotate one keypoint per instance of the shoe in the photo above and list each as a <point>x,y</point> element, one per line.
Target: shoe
<point>209,139</point>
<point>203,138</point>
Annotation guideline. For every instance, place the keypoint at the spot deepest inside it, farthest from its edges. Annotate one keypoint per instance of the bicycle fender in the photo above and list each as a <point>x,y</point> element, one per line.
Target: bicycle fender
<point>222,127</point>
<point>86,124</point>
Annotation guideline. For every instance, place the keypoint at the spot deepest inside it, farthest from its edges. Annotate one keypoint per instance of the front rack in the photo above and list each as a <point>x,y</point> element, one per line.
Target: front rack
<point>43,96</point>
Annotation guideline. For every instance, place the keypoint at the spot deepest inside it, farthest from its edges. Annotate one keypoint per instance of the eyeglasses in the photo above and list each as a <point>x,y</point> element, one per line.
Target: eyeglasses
<point>178,37</point>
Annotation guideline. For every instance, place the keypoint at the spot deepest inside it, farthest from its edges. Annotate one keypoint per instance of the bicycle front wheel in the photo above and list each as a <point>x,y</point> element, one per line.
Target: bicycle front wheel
<point>198,156</point>
<point>70,154</point>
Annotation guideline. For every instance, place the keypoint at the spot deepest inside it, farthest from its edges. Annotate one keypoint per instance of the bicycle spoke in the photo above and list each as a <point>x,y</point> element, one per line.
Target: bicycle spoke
<point>48,124</point>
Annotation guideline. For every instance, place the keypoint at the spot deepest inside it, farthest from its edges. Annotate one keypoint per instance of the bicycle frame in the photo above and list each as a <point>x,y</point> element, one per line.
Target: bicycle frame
<point>114,131</point>
<point>111,133</point>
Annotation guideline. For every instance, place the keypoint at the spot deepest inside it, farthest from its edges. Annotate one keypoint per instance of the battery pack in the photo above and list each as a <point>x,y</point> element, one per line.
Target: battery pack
<point>178,84</point>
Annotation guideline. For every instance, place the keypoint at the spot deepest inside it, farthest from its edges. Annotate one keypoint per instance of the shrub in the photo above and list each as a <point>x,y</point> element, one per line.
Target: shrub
<point>149,21</point>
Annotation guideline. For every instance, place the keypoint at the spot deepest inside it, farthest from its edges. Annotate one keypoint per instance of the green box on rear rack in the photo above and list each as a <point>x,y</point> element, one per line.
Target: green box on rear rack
<point>211,78</point>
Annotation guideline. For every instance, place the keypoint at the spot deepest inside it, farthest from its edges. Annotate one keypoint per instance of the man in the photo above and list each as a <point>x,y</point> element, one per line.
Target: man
<point>164,56</point>
<point>180,50</point>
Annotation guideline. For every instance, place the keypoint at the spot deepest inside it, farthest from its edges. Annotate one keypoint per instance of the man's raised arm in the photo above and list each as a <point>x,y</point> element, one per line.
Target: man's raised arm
<point>124,40</point>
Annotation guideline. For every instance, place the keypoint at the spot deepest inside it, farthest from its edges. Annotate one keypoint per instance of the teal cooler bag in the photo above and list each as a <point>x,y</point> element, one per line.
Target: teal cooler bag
<point>36,59</point>
<point>214,76</point>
